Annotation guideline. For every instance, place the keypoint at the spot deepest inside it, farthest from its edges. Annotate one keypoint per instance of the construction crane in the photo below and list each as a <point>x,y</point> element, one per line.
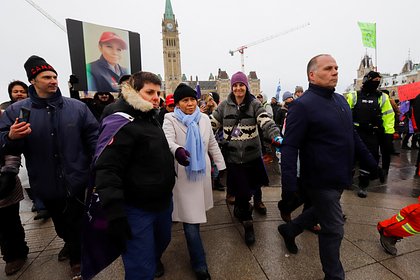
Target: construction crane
<point>241,49</point>
<point>45,14</point>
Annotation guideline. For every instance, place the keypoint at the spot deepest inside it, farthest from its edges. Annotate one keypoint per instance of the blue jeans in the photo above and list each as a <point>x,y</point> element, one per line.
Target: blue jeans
<point>151,235</point>
<point>195,247</point>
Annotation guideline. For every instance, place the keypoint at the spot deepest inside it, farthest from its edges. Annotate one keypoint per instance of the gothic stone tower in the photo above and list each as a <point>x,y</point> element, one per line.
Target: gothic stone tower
<point>171,50</point>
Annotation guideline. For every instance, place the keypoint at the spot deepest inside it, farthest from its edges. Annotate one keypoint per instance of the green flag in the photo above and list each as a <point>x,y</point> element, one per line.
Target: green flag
<point>368,34</point>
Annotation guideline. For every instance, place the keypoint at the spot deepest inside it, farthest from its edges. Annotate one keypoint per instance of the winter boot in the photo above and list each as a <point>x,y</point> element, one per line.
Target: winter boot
<point>249,232</point>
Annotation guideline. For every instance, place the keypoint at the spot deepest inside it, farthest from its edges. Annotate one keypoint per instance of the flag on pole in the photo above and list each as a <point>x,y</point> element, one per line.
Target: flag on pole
<point>278,89</point>
<point>368,34</point>
<point>198,90</point>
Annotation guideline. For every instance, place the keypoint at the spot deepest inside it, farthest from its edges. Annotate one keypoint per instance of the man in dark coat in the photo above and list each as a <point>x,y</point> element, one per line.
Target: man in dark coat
<point>58,140</point>
<point>320,131</point>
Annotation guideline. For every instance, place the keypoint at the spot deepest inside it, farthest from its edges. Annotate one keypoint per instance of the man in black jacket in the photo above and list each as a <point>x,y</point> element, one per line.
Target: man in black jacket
<point>319,128</point>
<point>135,175</point>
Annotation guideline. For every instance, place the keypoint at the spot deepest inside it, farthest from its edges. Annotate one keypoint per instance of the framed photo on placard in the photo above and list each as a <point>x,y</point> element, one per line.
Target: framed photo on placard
<point>101,55</point>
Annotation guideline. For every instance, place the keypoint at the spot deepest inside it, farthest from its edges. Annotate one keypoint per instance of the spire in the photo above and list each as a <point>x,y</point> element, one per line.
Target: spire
<point>169,14</point>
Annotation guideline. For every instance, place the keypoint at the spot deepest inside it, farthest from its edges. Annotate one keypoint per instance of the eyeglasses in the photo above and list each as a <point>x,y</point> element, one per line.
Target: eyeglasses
<point>102,93</point>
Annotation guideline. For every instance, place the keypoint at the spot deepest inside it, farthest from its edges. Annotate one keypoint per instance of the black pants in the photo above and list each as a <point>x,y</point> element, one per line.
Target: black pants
<point>67,214</point>
<point>12,234</point>
<point>326,210</point>
<point>245,180</point>
<point>371,140</point>
<point>405,139</point>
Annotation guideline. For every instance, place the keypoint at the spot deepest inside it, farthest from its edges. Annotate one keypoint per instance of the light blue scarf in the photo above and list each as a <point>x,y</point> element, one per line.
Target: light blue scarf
<point>193,144</point>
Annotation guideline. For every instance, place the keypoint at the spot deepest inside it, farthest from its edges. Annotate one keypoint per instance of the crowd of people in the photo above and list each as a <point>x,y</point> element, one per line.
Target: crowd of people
<point>153,164</point>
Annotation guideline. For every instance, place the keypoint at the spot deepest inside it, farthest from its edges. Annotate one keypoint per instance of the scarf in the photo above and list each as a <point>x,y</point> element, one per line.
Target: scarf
<point>193,144</point>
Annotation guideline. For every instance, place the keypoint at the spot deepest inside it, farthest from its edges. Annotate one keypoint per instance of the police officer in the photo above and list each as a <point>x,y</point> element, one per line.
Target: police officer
<point>373,118</point>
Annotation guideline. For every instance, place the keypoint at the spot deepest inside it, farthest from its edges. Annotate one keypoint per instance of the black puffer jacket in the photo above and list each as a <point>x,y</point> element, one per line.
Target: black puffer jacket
<point>137,167</point>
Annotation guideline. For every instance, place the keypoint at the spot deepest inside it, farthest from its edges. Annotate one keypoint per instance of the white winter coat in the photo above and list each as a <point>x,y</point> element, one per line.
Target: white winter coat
<point>192,198</point>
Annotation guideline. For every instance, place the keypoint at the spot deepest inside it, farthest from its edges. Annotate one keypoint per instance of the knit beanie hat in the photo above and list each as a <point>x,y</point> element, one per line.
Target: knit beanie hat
<point>35,65</point>
<point>239,77</point>
<point>182,91</point>
<point>370,76</point>
<point>287,95</point>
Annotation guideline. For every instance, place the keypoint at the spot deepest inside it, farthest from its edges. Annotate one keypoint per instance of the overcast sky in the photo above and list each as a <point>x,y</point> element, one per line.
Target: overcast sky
<point>228,24</point>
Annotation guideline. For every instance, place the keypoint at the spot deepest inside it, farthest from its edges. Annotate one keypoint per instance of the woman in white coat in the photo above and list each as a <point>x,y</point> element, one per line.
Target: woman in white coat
<point>191,140</point>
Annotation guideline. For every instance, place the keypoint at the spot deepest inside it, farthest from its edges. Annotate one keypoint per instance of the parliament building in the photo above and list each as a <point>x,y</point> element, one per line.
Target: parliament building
<point>173,75</point>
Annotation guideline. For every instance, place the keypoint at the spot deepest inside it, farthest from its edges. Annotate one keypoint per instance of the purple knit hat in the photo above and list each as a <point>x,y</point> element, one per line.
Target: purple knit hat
<point>239,77</point>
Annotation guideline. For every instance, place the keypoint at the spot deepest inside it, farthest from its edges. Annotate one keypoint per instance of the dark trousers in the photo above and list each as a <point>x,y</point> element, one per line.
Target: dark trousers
<point>371,140</point>
<point>67,214</point>
<point>386,146</point>
<point>405,139</point>
<point>12,234</point>
<point>326,210</point>
<point>245,180</point>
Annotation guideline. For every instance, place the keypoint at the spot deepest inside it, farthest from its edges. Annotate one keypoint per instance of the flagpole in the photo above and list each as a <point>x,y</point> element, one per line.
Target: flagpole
<point>376,50</point>
<point>376,59</point>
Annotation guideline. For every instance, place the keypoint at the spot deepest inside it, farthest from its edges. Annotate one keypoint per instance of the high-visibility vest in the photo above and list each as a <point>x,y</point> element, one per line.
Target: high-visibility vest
<point>388,115</point>
<point>405,223</point>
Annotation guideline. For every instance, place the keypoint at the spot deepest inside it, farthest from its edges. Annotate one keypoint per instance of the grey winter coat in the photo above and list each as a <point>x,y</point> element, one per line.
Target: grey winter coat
<point>245,144</point>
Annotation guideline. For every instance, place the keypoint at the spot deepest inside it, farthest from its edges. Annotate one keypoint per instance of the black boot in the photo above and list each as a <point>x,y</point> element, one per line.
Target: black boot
<point>289,235</point>
<point>249,232</point>
<point>217,185</point>
<point>363,183</point>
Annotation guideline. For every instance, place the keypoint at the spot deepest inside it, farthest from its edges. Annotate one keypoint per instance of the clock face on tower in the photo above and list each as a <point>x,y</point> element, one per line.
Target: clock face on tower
<point>170,26</point>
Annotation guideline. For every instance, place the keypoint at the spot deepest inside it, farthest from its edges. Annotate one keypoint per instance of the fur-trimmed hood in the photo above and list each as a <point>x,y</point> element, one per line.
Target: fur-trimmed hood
<point>133,98</point>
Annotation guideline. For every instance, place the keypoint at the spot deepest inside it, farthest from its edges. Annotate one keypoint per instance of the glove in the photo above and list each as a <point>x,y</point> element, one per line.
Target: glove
<point>73,79</point>
<point>182,156</point>
<point>276,142</point>
<point>222,173</point>
<point>289,201</point>
<point>119,232</point>
<point>7,183</point>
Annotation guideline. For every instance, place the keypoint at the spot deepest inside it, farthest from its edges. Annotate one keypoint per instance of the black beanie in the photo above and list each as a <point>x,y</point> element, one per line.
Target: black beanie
<point>370,76</point>
<point>35,65</point>
<point>182,91</point>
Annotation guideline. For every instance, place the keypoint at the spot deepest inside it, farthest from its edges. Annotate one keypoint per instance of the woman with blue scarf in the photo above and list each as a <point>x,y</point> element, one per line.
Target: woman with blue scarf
<point>191,140</point>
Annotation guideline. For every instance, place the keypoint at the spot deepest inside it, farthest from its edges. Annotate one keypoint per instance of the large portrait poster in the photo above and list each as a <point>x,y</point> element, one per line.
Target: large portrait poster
<point>101,55</point>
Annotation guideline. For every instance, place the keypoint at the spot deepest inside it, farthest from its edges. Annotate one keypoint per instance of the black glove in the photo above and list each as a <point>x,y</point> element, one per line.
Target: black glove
<point>7,183</point>
<point>119,232</point>
<point>182,156</point>
<point>222,173</point>
<point>289,201</point>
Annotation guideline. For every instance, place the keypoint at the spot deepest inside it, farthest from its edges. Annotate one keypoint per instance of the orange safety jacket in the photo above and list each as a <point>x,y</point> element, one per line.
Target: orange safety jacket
<point>405,223</point>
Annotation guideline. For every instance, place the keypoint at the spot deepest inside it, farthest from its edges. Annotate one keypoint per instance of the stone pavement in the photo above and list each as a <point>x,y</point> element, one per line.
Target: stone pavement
<point>229,258</point>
